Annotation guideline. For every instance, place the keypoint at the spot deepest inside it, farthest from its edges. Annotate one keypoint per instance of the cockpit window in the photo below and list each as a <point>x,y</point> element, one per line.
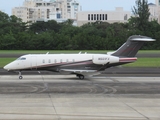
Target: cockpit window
<point>21,58</point>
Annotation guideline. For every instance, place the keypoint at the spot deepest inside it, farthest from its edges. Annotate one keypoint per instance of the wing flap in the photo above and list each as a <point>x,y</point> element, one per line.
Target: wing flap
<point>79,71</point>
<point>82,72</point>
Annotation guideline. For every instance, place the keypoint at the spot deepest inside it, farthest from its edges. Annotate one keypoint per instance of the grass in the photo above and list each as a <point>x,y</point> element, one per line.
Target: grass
<point>68,51</point>
<point>50,51</point>
<point>4,61</point>
<point>149,52</point>
<point>145,62</point>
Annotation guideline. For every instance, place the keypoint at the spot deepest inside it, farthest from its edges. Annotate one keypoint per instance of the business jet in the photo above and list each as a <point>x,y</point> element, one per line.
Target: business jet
<point>82,65</point>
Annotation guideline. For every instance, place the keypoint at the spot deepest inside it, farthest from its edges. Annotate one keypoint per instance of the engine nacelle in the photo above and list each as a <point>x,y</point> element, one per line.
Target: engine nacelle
<point>104,59</point>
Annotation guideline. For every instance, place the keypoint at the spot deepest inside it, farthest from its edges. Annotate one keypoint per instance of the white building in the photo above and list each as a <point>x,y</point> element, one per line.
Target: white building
<point>118,15</point>
<point>39,10</point>
<point>155,11</point>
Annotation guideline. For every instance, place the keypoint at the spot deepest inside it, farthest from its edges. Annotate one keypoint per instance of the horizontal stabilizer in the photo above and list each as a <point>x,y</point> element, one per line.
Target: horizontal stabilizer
<point>143,39</point>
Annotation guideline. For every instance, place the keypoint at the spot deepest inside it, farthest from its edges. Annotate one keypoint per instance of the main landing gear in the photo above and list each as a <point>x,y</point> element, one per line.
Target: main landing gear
<point>20,75</point>
<point>80,76</point>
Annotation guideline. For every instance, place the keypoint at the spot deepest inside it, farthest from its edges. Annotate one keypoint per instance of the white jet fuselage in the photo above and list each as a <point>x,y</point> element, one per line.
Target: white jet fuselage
<point>56,62</point>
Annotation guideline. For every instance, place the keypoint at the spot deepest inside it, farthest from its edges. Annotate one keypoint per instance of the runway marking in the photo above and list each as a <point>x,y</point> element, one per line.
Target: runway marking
<point>114,80</point>
<point>82,115</point>
<point>133,109</point>
<point>46,88</point>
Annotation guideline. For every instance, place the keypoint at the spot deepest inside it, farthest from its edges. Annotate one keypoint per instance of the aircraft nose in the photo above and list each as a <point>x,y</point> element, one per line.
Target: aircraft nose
<point>6,68</point>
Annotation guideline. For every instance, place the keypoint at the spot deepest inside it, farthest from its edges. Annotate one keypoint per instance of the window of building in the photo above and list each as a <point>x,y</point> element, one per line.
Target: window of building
<point>97,16</point>
<point>103,17</point>
<point>106,17</point>
<point>58,15</point>
<point>100,17</point>
<point>89,17</point>
<point>125,17</point>
<point>48,4</point>
<point>94,16</point>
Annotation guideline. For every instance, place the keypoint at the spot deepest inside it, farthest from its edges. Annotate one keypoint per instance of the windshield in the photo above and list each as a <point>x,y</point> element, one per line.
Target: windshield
<point>21,58</point>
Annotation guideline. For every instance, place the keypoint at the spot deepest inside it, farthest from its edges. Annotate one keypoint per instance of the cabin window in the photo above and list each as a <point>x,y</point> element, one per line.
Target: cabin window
<point>67,60</point>
<point>43,61</point>
<point>49,61</point>
<point>73,60</point>
<point>55,61</point>
<point>61,60</point>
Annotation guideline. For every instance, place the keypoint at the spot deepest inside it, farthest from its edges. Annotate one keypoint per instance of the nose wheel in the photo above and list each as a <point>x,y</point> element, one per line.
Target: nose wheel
<point>20,75</point>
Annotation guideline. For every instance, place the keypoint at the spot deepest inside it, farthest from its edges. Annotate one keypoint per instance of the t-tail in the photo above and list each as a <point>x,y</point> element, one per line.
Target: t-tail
<point>131,46</point>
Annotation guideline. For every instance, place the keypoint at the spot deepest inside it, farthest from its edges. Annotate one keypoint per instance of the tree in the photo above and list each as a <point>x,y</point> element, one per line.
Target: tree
<point>41,26</point>
<point>141,12</point>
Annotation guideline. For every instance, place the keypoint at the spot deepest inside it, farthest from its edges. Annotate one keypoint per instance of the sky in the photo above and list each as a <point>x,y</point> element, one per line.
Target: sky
<point>87,5</point>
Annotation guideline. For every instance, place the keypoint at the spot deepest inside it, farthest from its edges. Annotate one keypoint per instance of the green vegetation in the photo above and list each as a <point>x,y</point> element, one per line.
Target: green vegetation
<point>50,35</point>
<point>4,61</point>
<point>145,62</point>
<point>69,51</point>
<point>50,51</point>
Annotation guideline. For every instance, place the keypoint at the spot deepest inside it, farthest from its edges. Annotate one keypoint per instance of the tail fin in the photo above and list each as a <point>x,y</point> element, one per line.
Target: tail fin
<point>131,46</point>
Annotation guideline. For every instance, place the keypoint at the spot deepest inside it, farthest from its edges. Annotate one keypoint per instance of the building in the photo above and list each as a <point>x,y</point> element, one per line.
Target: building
<point>39,10</point>
<point>118,15</point>
<point>155,11</point>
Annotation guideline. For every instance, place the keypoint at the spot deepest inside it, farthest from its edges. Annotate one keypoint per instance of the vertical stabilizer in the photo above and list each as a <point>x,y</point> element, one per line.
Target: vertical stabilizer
<point>131,46</point>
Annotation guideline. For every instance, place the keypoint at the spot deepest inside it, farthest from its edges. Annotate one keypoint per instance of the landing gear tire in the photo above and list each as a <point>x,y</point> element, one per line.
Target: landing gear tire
<point>20,77</point>
<point>81,77</point>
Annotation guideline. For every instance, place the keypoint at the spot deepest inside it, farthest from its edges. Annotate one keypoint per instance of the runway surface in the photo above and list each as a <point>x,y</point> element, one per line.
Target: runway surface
<point>58,97</point>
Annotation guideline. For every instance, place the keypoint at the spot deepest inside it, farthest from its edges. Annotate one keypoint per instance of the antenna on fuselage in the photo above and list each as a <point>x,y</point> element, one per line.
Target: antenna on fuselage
<point>47,53</point>
<point>80,52</point>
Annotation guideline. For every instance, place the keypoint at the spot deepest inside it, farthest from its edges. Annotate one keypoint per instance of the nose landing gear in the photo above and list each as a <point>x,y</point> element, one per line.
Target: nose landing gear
<point>20,75</point>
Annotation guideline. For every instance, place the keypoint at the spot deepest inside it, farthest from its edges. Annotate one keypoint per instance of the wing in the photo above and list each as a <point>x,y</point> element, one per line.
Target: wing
<point>81,72</point>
